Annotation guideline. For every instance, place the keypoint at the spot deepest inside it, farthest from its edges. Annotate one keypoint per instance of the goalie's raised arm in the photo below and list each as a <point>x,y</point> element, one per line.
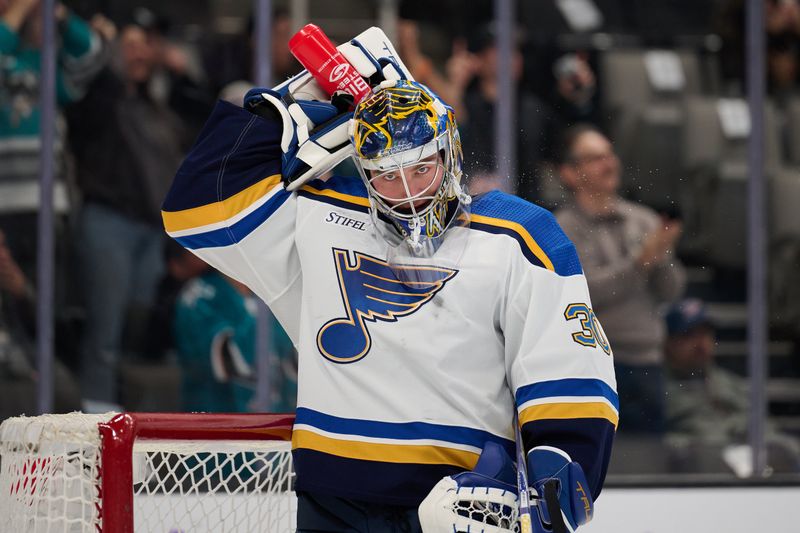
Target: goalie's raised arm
<point>227,204</point>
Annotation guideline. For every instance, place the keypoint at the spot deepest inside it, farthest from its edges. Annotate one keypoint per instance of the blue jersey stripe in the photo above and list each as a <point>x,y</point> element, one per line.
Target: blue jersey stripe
<point>344,204</point>
<point>399,430</point>
<point>498,230</point>
<point>238,231</point>
<point>537,222</point>
<point>567,387</point>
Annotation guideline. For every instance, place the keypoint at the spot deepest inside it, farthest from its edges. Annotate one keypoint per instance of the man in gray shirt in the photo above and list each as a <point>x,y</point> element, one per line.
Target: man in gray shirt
<point>707,405</point>
<point>627,252</point>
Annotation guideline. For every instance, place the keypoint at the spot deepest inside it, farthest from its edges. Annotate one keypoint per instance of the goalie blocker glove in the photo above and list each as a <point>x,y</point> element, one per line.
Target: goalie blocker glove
<point>560,491</point>
<point>483,500</point>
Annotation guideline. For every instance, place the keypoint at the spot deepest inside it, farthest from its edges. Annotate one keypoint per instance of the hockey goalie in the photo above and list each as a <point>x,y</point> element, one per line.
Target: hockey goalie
<point>425,319</point>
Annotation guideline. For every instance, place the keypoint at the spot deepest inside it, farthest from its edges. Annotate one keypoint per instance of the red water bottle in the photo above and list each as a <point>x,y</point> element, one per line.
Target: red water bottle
<point>330,68</point>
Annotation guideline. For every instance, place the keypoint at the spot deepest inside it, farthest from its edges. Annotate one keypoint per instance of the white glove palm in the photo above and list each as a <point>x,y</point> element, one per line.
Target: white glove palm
<point>482,500</point>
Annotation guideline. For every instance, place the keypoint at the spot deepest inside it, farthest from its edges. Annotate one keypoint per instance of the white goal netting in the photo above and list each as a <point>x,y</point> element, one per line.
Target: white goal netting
<point>52,472</point>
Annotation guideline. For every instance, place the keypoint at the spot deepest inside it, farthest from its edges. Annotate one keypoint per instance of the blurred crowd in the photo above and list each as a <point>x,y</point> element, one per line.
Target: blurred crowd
<point>130,103</point>
<point>604,98</point>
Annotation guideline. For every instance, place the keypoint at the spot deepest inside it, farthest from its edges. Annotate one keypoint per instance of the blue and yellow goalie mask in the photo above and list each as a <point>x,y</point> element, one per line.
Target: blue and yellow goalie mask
<point>408,153</point>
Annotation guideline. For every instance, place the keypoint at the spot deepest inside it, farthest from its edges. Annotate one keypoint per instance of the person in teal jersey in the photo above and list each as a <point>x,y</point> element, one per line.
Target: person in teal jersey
<point>80,53</point>
<point>215,336</point>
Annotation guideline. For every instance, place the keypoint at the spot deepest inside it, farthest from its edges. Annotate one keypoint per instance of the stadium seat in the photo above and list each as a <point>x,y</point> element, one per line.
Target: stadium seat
<point>647,122</point>
<point>653,170</point>
<point>784,251</point>
<point>543,20</point>
<point>728,217</point>
<point>784,215</point>
<point>714,191</point>
<point>625,83</point>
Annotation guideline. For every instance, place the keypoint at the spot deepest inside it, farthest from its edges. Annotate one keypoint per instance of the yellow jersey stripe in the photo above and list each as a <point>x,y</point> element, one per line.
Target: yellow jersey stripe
<point>358,200</point>
<point>522,232</point>
<point>550,411</point>
<point>213,213</point>
<point>386,453</point>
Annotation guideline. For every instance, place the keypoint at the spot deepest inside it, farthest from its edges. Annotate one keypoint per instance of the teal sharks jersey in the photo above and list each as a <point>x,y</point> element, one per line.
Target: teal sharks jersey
<point>402,382</point>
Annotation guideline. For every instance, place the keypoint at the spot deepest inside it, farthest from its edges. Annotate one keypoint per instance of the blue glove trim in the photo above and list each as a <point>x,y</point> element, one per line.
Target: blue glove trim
<point>494,469</point>
<point>318,112</point>
<point>551,470</point>
<point>473,479</point>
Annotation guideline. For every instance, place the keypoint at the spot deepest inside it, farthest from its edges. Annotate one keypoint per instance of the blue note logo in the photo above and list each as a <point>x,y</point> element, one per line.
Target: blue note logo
<point>372,291</point>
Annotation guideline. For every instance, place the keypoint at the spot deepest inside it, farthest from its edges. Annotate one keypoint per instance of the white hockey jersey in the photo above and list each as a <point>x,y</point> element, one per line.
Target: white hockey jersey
<point>400,383</point>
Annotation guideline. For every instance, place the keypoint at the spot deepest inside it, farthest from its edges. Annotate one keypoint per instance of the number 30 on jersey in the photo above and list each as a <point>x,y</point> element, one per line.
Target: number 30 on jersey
<point>591,333</point>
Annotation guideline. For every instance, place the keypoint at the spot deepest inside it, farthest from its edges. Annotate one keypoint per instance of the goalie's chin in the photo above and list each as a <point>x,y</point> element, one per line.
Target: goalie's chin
<point>418,206</point>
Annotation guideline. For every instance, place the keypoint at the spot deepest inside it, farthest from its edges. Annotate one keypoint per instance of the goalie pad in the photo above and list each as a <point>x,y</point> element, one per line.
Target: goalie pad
<point>482,500</point>
<point>315,126</point>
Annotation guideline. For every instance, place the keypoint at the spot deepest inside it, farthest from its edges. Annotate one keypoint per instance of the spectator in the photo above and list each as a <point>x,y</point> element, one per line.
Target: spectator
<point>18,377</point>
<point>418,63</point>
<point>782,25</point>
<point>565,80</point>
<point>473,73</point>
<point>627,252</point>
<point>81,54</point>
<point>215,334</point>
<point>783,55</point>
<point>177,80</point>
<point>575,98</point>
<point>127,146</point>
<point>706,404</point>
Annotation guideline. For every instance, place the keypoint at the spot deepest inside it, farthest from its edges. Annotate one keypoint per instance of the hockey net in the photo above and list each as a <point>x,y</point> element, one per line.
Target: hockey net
<point>146,472</point>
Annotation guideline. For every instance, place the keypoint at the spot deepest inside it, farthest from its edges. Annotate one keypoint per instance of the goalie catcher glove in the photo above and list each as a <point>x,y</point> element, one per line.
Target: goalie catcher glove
<point>315,126</point>
<point>483,500</point>
<point>561,493</point>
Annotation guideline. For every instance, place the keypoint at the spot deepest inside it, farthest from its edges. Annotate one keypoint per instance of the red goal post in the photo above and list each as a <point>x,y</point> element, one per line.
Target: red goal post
<point>167,471</point>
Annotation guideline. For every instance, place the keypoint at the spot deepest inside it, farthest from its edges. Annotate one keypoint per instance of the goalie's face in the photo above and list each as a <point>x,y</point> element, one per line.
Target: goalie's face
<point>414,191</point>
<point>408,152</point>
<point>410,187</point>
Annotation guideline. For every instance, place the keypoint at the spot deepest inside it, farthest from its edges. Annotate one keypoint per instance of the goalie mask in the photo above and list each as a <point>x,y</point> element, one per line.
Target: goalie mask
<point>408,152</point>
